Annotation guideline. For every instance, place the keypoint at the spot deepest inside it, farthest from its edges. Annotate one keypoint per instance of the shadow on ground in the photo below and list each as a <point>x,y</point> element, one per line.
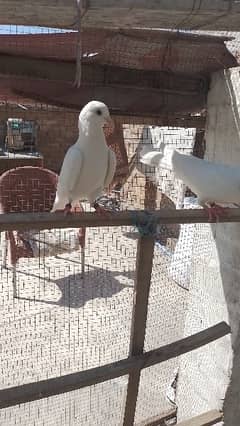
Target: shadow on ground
<point>76,291</point>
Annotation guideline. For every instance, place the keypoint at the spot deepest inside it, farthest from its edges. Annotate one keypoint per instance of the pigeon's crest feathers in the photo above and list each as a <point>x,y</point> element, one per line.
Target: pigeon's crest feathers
<point>94,114</point>
<point>151,158</point>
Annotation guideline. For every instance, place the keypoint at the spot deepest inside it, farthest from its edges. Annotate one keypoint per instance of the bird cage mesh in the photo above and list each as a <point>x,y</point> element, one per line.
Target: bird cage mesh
<point>55,320</point>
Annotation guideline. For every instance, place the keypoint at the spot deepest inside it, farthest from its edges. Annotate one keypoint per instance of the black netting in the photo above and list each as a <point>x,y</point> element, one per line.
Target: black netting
<point>66,307</point>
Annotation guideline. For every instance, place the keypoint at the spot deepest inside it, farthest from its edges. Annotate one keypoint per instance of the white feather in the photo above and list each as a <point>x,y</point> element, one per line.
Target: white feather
<point>86,165</point>
<point>211,182</point>
<point>112,163</point>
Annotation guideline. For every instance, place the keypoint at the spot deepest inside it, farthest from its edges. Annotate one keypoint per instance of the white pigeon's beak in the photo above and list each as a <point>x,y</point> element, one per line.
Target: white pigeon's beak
<point>109,126</point>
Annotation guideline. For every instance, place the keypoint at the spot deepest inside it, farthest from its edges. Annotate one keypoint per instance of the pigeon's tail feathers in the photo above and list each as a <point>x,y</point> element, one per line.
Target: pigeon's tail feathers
<point>59,203</point>
<point>151,158</point>
<point>55,206</point>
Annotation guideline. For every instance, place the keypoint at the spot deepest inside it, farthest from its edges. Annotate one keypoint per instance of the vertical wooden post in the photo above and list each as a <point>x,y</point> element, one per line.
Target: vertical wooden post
<point>199,144</point>
<point>144,261</point>
<point>150,198</point>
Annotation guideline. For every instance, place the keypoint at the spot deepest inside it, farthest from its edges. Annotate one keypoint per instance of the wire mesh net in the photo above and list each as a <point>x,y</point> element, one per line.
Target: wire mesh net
<point>60,322</point>
<point>100,404</point>
<point>165,324</point>
<point>65,306</point>
<point>86,305</point>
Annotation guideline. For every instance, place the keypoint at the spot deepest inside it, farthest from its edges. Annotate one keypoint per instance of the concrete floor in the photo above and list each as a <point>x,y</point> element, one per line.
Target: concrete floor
<point>62,324</point>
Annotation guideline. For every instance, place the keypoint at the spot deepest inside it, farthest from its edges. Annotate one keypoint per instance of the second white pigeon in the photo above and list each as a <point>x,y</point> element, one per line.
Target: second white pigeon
<point>89,165</point>
<point>211,182</point>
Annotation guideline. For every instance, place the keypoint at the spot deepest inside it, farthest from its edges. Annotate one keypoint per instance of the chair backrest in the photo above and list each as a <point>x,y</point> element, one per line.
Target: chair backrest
<point>27,189</point>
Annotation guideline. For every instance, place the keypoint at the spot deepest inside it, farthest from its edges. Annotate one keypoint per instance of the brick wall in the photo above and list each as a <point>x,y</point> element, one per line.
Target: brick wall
<point>58,130</point>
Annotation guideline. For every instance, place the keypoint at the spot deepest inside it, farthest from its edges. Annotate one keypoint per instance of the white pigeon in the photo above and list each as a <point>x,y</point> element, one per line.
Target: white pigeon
<point>89,165</point>
<point>212,182</point>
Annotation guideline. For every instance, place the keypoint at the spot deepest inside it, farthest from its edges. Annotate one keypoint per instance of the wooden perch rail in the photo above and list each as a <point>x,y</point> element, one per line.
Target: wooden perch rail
<point>206,419</point>
<point>46,388</point>
<point>186,14</point>
<point>129,92</point>
<point>21,221</point>
<point>97,75</point>
<point>124,100</point>
<point>158,420</point>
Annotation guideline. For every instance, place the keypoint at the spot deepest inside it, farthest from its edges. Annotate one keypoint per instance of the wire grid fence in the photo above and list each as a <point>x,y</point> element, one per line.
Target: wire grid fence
<point>68,336</point>
<point>41,65</point>
<point>128,48</point>
<point>61,322</point>
<point>205,287</point>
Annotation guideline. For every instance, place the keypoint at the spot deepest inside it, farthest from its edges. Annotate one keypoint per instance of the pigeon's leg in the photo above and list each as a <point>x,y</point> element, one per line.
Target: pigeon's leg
<point>100,210</point>
<point>215,211</point>
<point>82,241</point>
<point>68,209</point>
<point>93,203</point>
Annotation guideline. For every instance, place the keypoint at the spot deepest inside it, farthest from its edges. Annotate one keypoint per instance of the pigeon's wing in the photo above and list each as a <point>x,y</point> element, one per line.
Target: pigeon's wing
<point>112,163</point>
<point>71,170</point>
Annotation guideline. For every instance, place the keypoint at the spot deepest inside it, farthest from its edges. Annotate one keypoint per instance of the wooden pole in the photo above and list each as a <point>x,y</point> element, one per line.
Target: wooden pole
<point>124,100</point>
<point>206,419</point>
<point>59,69</point>
<point>183,120</point>
<point>21,221</point>
<point>186,14</point>
<point>145,253</point>
<point>159,420</point>
<point>56,386</point>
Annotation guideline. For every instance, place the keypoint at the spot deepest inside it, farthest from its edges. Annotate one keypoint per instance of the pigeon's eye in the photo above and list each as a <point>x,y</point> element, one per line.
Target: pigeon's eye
<point>99,112</point>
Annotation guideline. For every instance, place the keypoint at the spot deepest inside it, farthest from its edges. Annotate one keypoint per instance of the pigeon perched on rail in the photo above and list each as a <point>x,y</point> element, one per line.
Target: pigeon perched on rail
<point>89,165</point>
<point>212,183</point>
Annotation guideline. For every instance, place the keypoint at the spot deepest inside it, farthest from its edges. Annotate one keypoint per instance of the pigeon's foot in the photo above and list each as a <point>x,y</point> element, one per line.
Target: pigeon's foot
<point>215,212</point>
<point>101,211</point>
<point>68,209</point>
